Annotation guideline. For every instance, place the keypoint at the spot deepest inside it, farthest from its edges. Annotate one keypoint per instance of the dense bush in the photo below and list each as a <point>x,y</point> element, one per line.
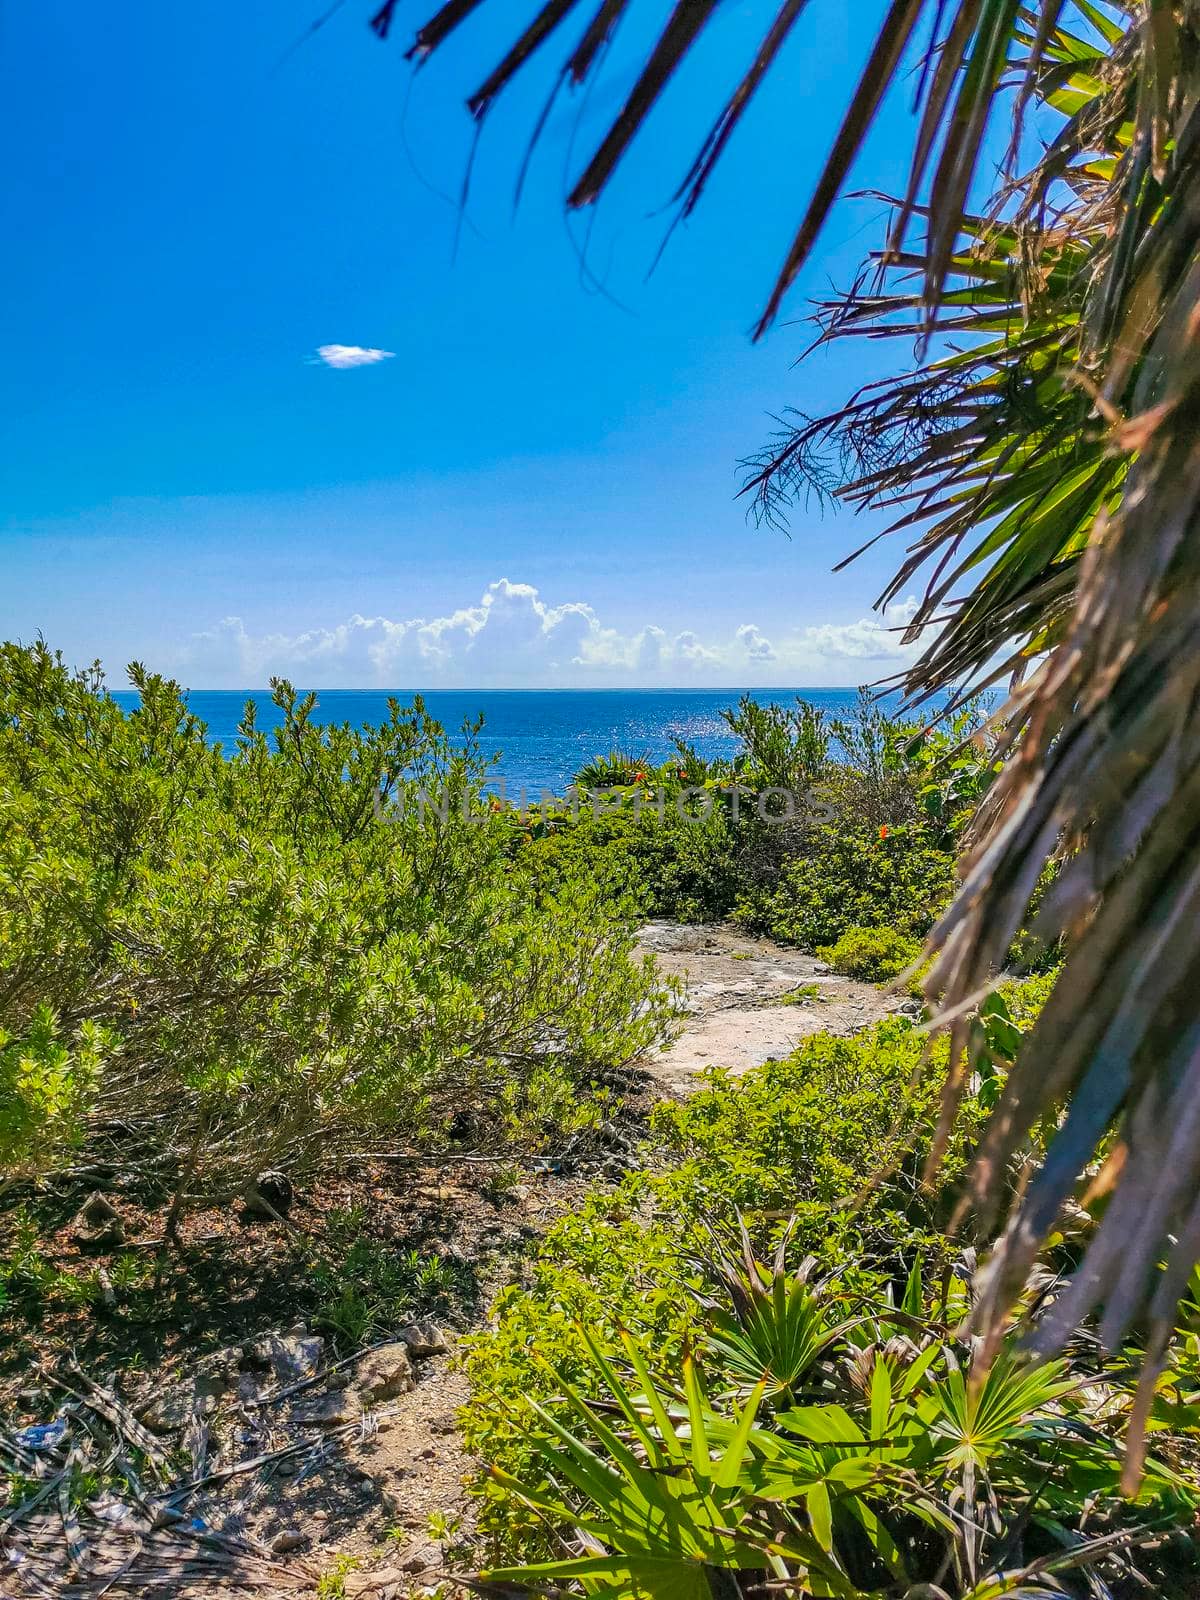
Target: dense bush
<point>896,877</point>
<point>847,1446</point>
<point>674,865</point>
<point>286,948</point>
<point>873,954</point>
<point>662,1414</point>
<point>817,824</point>
<point>47,1087</point>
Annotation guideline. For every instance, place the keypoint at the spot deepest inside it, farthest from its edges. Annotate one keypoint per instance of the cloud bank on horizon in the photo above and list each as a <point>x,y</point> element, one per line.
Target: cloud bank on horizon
<point>513,639</point>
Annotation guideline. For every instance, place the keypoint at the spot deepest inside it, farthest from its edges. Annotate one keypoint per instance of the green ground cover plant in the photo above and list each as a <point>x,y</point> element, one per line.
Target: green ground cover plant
<point>874,954</point>
<point>748,1365</point>
<point>788,1148</point>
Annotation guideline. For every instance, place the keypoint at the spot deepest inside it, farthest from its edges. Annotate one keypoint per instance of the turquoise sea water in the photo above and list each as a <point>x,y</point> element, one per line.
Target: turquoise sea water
<point>543,735</point>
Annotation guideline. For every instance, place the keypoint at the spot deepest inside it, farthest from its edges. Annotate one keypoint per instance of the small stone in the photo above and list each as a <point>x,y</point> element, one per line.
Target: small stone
<point>288,1539</point>
<point>270,1195</point>
<point>248,1391</point>
<point>196,1392</point>
<point>290,1357</point>
<point>98,1223</point>
<point>324,1411</point>
<point>520,1192</point>
<point>424,1338</point>
<point>377,1583</point>
<point>385,1373</point>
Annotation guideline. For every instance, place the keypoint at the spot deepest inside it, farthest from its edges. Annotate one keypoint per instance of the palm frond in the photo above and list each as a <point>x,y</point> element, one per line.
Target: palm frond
<point>967,58</point>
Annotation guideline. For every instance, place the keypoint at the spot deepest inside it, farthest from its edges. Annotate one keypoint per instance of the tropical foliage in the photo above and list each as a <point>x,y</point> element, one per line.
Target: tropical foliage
<point>1045,463</point>
<point>703,1390</point>
<point>815,824</point>
<point>211,966</point>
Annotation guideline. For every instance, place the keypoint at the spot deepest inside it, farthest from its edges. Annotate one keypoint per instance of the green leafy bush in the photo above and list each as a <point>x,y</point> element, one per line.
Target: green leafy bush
<point>47,1089</point>
<point>686,867</point>
<point>788,1146</point>
<point>816,823</point>
<point>898,876</point>
<point>317,940</point>
<point>872,954</point>
<point>889,1463</point>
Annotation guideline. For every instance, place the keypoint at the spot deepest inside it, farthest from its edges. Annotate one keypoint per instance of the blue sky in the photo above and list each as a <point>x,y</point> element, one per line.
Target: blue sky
<point>537,487</point>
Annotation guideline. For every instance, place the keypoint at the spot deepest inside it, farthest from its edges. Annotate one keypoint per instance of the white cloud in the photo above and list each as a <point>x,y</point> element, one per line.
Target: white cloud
<point>756,646</point>
<point>351,355</point>
<point>868,639</point>
<point>513,637</point>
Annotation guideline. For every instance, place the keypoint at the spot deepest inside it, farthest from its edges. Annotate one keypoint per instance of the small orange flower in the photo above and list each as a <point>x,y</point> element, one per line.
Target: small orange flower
<point>639,777</point>
<point>883,832</point>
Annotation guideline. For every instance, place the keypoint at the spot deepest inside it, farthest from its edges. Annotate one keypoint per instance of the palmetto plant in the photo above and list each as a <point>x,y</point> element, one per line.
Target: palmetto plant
<point>1049,472</point>
<point>891,1488</point>
<point>614,770</point>
<point>655,1511</point>
<point>769,1325</point>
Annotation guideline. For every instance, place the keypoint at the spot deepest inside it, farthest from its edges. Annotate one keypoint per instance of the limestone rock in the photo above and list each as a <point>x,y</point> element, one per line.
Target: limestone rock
<point>424,1338</point>
<point>197,1391</point>
<point>384,1373</point>
<point>291,1357</point>
<point>325,1411</point>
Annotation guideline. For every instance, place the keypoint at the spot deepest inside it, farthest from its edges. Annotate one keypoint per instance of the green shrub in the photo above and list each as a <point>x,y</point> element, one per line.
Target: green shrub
<point>788,1147</point>
<point>837,1433</point>
<point>898,877</point>
<point>673,866</point>
<point>872,954</point>
<point>289,950</point>
<point>47,1088</point>
<point>614,770</point>
<point>887,1463</point>
<point>812,865</point>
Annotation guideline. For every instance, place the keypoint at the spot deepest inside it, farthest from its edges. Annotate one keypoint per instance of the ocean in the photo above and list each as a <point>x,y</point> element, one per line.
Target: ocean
<point>543,736</point>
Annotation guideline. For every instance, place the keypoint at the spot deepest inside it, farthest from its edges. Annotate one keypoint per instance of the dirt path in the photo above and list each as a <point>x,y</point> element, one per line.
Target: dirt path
<point>737,1016</point>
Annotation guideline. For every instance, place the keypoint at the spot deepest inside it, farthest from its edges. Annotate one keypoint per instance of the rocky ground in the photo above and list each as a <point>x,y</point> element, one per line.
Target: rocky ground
<point>749,1000</point>
<point>270,1465</point>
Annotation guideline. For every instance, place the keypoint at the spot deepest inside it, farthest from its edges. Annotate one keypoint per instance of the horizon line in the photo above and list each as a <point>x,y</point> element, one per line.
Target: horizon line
<point>558,688</point>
